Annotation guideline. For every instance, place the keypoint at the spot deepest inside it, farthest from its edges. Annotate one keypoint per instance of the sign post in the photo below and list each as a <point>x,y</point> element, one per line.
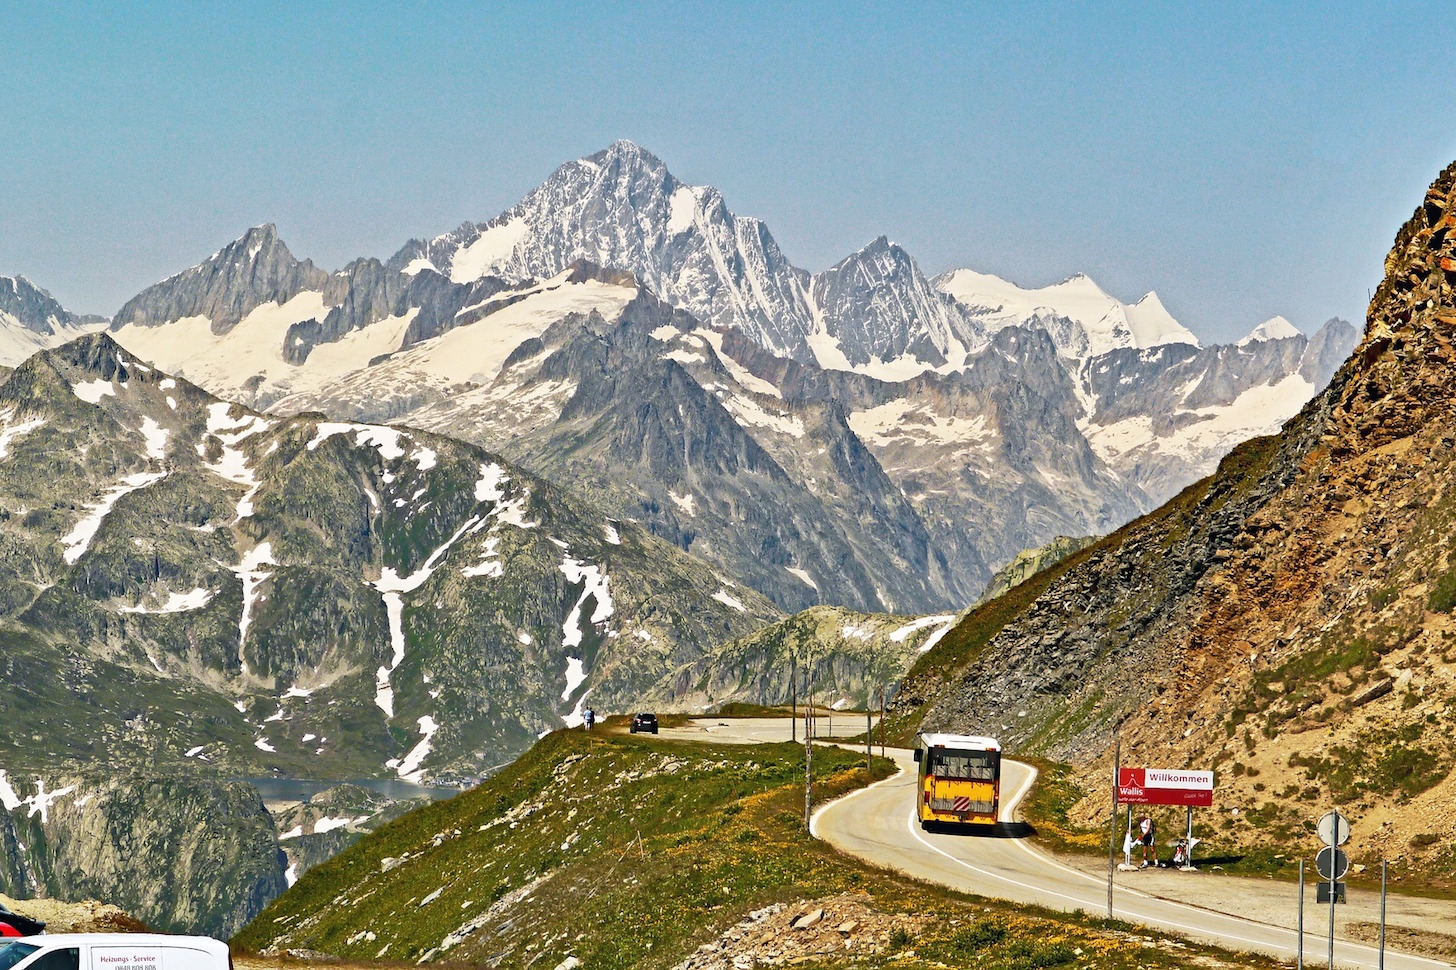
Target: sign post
<point>1112,838</point>
<point>1334,831</point>
<point>1299,948</point>
<point>1166,786</point>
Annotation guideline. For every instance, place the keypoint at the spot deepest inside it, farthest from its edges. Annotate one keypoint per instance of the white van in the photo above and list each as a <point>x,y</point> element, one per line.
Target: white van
<point>114,951</point>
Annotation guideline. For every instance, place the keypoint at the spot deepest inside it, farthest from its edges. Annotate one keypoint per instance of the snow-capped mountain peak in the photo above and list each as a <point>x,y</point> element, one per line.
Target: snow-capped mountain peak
<point>1083,319</point>
<point>1275,328</point>
<point>621,208</point>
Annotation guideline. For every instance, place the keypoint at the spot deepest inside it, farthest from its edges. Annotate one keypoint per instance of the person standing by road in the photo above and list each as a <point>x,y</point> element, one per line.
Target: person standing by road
<point>1147,838</point>
<point>589,718</point>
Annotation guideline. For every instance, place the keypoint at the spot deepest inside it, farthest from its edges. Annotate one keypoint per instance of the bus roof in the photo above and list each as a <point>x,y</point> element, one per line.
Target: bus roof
<point>972,742</point>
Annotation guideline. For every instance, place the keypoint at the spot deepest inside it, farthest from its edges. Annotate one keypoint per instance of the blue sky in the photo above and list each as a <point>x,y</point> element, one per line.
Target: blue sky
<point>1241,160</point>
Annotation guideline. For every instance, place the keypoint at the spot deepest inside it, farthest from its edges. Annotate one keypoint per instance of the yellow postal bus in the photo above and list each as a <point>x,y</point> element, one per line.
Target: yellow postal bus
<point>960,779</point>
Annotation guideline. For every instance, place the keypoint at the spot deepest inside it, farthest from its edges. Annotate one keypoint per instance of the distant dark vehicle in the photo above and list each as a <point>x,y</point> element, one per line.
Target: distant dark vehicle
<point>644,722</point>
<point>13,924</point>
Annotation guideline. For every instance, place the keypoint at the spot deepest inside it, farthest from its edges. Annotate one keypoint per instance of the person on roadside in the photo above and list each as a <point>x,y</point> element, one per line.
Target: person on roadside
<point>1147,838</point>
<point>589,718</point>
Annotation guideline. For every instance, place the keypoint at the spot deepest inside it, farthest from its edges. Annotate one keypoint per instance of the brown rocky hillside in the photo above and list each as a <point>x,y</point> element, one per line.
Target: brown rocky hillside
<point>1287,621</point>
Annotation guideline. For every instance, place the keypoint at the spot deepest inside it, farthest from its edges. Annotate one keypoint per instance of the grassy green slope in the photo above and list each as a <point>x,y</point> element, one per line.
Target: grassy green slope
<point>625,851</point>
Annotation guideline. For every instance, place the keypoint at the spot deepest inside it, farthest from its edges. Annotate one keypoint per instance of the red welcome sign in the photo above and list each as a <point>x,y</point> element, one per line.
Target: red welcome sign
<point>1164,786</point>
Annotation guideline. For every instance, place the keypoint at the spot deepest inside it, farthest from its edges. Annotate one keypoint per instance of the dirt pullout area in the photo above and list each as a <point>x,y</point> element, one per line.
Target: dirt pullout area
<point>1427,943</point>
<point>83,917</point>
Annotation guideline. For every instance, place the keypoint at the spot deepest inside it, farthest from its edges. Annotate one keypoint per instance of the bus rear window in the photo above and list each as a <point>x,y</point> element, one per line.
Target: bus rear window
<point>965,765</point>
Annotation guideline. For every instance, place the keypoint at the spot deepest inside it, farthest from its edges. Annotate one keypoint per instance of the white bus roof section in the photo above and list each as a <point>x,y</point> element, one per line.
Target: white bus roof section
<point>972,742</point>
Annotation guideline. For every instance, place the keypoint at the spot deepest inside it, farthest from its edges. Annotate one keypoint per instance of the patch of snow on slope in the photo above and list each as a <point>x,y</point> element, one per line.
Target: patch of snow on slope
<point>491,248</point>
<point>329,823</point>
<point>75,543</point>
<point>418,265</point>
<point>176,603</point>
<point>391,586</point>
<point>595,582</point>
<point>156,436</point>
<point>686,502</point>
<point>749,414</point>
<point>252,575</point>
<point>262,745</point>
<point>575,677</point>
<point>10,432</point>
<point>410,768</point>
<point>682,210</point>
<point>93,391</point>
<point>902,421</point>
<point>741,374</point>
<point>613,537</point>
<point>385,440</point>
<point>8,799</point>
<point>903,634</point>
<point>489,566</point>
<point>803,577</point>
<point>728,599</point>
<point>476,352</point>
<point>934,638</point>
<point>851,631</point>
<point>491,487</point>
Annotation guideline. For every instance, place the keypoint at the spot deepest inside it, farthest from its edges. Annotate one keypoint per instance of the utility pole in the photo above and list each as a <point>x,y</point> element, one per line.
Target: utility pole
<point>1112,839</point>
<point>793,699</point>
<point>869,737</point>
<point>882,720</point>
<point>808,750</point>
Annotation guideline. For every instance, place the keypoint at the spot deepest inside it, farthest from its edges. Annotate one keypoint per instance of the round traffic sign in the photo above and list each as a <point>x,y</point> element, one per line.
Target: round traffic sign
<point>1334,829</point>
<point>1341,863</point>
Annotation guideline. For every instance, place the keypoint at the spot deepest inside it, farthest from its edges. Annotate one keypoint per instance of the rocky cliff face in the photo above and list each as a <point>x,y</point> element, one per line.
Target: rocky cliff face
<point>876,306</point>
<point>246,274</point>
<point>182,854</point>
<point>1285,621</point>
<point>1029,562</point>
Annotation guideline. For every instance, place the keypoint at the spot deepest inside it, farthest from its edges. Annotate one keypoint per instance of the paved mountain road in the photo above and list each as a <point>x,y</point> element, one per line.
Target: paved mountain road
<point>878,825</point>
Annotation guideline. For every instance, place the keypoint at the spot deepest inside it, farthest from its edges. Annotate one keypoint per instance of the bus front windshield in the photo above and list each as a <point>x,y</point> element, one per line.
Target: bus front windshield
<point>961,765</point>
<point>13,953</point>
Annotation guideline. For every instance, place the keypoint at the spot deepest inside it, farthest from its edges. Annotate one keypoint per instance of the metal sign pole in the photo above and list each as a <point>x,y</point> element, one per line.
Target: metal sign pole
<point>1299,938</point>
<point>1333,870</point>
<point>808,750</point>
<point>793,700</point>
<point>1382,914</point>
<point>1112,839</point>
<point>882,720</point>
<point>869,736</point>
<point>1188,842</point>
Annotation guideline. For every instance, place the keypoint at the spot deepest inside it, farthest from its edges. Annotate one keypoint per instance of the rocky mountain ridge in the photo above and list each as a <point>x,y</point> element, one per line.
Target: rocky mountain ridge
<point>32,320</point>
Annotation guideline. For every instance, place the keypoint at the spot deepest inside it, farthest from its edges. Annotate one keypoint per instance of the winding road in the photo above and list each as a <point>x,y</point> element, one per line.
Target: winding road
<point>878,824</point>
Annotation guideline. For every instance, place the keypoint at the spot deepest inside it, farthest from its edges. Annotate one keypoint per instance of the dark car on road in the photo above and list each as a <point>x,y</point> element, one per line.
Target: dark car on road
<point>644,722</point>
